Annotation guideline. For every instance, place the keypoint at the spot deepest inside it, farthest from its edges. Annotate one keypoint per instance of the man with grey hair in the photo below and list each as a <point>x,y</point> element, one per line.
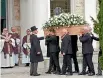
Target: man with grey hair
<point>66,50</point>
<point>87,51</point>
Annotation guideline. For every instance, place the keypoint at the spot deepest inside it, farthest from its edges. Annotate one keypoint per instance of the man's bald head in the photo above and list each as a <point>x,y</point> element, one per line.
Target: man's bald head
<point>86,29</point>
<point>5,30</point>
<point>65,31</point>
<point>13,29</point>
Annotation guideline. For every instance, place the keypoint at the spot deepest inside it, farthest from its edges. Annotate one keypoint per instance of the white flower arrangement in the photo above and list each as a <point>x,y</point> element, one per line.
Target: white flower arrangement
<point>64,19</point>
<point>18,41</point>
<point>27,45</point>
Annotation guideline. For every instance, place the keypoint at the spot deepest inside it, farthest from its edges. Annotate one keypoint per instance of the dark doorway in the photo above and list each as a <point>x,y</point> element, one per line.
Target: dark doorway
<point>3,24</point>
<point>3,14</point>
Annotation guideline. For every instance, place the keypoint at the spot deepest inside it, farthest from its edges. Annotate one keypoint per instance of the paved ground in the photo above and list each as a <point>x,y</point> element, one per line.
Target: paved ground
<point>23,72</point>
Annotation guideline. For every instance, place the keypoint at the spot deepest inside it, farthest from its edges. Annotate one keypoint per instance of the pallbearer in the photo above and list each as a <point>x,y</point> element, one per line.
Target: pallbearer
<point>7,52</point>
<point>54,52</point>
<point>16,48</point>
<point>87,51</point>
<point>66,49</point>
<point>26,48</point>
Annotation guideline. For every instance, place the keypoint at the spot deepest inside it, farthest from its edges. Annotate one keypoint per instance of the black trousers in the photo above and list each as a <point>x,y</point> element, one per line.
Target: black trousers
<point>33,68</point>
<point>27,64</point>
<point>54,67</point>
<point>67,63</point>
<point>54,61</point>
<point>74,56</point>
<point>87,61</point>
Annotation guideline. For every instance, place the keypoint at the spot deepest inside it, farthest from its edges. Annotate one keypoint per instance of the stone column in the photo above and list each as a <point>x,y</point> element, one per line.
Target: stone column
<point>90,10</point>
<point>34,12</point>
<point>41,13</point>
<point>79,7</point>
<point>72,2</point>
<point>10,14</point>
<point>16,13</point>
<point>26,15</point>
<point>0,16</point>
<point>13,13</point>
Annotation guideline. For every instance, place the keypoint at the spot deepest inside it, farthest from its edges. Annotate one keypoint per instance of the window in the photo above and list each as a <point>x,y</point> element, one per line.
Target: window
<point>3,14</point>
<point>59,6</point>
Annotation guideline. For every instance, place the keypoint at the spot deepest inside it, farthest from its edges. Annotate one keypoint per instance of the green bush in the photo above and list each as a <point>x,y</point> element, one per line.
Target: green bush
<point>98,29</point>
<point>101,61</point>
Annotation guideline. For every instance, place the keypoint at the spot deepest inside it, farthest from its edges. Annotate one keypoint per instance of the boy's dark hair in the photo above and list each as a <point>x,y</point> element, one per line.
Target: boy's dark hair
<point>52,30</point>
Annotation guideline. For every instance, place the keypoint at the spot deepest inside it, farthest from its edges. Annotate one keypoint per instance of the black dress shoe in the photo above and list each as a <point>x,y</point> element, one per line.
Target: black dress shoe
<point>57,72</point>
<point>16,65</point>
<point>87,72</point>
<point>36,75</point>
<point>48,72</point>
<point>31,74</point>
<point>27,64</point>
<point>54,72</point>
<point>69,73</point>
<point>62,74</point>
<point>99,74</point>
<point>82,73</point>
<point>75,71</point>
<point>91,74</point>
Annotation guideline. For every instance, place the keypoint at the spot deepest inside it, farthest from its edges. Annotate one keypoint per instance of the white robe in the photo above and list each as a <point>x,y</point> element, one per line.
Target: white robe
<point>25,58</point>
<point>8,62</point>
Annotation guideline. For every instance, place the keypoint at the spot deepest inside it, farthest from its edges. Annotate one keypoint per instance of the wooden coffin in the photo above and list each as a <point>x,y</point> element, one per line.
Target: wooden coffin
<point>73,30</point>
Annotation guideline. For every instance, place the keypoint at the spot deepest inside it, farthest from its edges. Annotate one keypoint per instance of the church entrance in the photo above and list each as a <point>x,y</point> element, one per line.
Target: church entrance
<point>3,14</point>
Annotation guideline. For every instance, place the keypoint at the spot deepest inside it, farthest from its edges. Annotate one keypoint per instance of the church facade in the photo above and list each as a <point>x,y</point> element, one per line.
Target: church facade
<point>26,13</point>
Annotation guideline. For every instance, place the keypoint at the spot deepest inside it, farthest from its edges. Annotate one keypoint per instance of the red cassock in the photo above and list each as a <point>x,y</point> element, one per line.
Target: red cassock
<point>17,47</point>
<point>25,41</point>
<point>7,52</point>
<point>8,47</point>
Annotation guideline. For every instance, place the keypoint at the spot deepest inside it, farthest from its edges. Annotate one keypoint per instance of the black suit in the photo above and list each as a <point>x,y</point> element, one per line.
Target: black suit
<point>34,57</point>
<point>48,46</point>
<point>67,49</point>
<point>87,50</point>
<point>57,54</point>
<point>53,49</point>
<point>74,39</point>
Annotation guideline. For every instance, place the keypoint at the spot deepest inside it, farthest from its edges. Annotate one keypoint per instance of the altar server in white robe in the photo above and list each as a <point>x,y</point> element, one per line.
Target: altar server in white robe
<point>26,48</point>
<point>7,51</point>
<point>16,48</point>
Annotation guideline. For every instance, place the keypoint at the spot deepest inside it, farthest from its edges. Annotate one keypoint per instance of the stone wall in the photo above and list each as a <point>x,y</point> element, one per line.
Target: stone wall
<point>16,13</point>
<point>17,9</point>
<point>79,7</point>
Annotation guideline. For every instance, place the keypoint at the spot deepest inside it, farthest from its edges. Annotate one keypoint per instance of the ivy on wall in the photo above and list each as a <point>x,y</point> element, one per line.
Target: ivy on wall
<point>98,28</point>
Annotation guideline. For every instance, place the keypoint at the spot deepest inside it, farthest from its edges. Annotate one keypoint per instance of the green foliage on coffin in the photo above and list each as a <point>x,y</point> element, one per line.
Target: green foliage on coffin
<point>98,28</point>
<point>64,19</point>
